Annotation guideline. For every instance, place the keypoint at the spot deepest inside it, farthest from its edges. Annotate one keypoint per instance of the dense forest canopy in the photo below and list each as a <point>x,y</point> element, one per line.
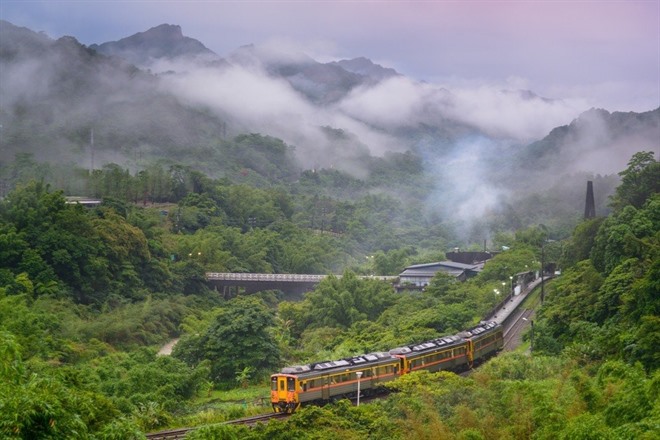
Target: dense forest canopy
<point>87,293</point>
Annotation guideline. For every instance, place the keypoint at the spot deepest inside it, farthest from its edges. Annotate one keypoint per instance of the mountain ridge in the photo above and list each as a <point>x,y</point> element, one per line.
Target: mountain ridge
<point>59,90</point>
<point>162,41</point>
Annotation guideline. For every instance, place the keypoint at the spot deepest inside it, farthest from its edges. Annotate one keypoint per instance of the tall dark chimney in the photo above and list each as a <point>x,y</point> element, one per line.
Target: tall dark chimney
<point>590,205</point>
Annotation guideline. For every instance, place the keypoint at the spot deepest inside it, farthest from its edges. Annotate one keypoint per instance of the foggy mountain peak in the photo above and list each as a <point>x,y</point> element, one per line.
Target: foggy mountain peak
<point>364,66</point>
<point>162,42</point>
<point>20,41</point>
<point>597,141</point>
<point>320,83</point>
<point>333,114</point>
<point>528,95</point>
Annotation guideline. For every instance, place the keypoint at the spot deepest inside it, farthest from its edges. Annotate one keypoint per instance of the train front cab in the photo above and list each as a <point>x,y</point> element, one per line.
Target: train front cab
<point>283,393</point>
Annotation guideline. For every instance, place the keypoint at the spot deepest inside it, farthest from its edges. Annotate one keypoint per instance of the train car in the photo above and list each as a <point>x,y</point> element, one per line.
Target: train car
<point>485,340</point>
<point>446,353</point>
<point>324,381</point>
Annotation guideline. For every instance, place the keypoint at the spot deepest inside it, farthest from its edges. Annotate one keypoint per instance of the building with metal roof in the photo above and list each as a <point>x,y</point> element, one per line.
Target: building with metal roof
<point>420,275</point>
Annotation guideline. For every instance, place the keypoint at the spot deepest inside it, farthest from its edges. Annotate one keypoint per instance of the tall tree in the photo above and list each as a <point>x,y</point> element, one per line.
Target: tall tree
<point>239,337</point>
<point>638,182</point>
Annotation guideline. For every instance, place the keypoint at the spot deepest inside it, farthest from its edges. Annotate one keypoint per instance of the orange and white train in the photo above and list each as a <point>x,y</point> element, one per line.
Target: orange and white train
<point>321,382</point>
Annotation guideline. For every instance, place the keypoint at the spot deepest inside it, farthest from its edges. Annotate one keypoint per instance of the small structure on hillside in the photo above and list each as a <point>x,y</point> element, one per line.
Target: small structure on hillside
<point>420,275</point>
<point>461,265</point>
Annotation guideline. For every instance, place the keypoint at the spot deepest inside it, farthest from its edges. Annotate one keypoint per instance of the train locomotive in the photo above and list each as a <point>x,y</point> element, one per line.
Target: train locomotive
<point>320,382</point>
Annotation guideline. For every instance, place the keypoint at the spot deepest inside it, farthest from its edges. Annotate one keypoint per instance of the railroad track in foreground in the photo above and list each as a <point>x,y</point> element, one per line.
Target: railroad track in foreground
<point>512,335</point>
<point>180,433</point>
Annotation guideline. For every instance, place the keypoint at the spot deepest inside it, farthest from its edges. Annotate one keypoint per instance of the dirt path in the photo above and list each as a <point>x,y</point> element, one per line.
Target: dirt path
<point>166,349</point>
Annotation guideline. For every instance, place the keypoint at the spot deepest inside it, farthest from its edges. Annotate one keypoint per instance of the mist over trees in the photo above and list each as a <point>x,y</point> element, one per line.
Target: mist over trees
<point>250,118</point>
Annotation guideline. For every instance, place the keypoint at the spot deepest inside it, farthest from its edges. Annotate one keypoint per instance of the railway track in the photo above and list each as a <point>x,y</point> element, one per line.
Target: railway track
<point>180,433</point>
<point>513,332</point>
<point>512,336</point>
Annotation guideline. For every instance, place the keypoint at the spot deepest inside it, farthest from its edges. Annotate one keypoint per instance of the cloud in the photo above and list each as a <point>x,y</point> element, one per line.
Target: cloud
<point>492,109</point>
<point>612,95</point>
<point>515,114</point>
<point>252,100</point>
<point>247,94</point>
<point>395,102</point>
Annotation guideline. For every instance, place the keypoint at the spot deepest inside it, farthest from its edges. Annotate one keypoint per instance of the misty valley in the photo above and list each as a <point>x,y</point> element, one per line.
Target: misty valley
<point>131,169</point>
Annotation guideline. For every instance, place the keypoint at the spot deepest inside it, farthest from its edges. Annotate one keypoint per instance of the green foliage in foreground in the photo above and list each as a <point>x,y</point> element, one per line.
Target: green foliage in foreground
<point>62,374</point>
<point>42,404</point>
<point>607,306</point>
<point>513,396</point>
<point>236,343</point>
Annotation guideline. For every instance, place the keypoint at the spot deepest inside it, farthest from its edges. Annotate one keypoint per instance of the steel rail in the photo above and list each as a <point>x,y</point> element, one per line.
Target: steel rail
<point>180,433</point>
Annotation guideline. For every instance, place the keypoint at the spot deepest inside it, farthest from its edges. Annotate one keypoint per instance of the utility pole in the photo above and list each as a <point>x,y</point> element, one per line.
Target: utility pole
<point>542,277</point>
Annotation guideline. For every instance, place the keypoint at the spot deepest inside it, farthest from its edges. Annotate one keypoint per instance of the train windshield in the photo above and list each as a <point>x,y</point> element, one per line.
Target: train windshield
<point>273,384</point>
<point>290,384</point>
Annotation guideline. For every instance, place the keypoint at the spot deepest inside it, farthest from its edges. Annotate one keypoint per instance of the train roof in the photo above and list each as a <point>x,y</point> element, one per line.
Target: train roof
<point>483,327</point>
<point>444,341</point>
<point>434,344</point>
<point>379,357</point>
<point>339,365</point>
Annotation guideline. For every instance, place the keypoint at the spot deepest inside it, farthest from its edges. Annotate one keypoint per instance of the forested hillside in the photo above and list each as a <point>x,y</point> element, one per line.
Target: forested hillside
<point>88,294</point>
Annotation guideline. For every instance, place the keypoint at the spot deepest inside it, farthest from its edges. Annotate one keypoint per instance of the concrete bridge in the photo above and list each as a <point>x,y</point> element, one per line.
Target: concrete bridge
<point>293,285</point>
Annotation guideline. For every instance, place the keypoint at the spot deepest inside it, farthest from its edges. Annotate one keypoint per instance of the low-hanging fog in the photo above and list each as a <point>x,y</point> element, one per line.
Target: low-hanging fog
<point>482,142</point>
<point>463,133</point>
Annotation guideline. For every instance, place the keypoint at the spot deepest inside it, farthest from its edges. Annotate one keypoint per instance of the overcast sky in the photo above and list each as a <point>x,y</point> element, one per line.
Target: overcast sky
<point>605,52</point>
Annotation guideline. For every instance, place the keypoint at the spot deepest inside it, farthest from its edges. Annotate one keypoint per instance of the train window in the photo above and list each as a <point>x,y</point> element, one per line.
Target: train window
<point>304,386</point>
<point>290,384</point>
<point>282,388</point>
<point>273,384</point>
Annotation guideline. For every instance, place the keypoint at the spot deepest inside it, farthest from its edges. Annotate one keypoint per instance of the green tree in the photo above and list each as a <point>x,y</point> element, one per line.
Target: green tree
<point>638,182</point>
<point>582,241</point>
<point>340,302</point>
<point>239,337</point>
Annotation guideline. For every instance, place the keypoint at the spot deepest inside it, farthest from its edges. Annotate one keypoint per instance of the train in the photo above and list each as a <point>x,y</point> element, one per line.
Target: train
<point>322,382</point>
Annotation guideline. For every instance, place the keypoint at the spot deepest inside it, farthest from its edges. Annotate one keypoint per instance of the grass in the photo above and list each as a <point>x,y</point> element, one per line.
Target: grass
<point>248,395</point>
<point>217,406</point>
